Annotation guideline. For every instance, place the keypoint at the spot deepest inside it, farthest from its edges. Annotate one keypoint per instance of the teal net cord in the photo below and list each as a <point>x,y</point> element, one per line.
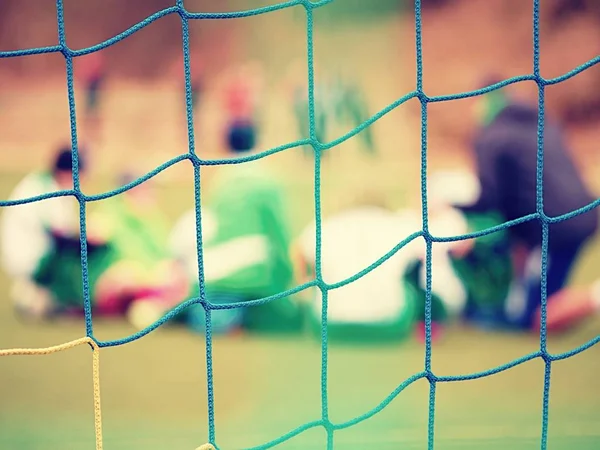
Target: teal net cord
<point>318,147</point>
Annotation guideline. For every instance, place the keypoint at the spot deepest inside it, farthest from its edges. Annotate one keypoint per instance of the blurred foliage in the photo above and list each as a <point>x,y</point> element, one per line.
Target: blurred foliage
<point>358,9</point>
<point>343,11</point>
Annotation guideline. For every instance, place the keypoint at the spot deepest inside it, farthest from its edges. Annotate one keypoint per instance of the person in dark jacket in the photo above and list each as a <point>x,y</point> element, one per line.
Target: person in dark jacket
<point>505,151</point>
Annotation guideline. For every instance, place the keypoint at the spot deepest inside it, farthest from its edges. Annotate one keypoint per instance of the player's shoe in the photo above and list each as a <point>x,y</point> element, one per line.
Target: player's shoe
<point>31,302</point>
<point>144,312</point>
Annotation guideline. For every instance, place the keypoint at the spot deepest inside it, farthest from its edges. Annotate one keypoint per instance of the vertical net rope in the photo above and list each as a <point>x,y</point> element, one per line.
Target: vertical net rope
<point>318,147</point>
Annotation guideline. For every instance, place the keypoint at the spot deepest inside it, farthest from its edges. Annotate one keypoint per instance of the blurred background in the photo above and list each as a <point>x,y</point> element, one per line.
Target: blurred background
<point>154,390</point>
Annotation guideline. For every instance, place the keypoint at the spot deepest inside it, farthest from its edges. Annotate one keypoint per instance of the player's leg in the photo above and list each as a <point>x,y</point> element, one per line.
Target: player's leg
<point>56,287</point>
<point>559,264</point>
<point>569,307</point>
<point>116,287</point>
<point>56,284</point>
<point>566,307</point>
<point>30,299</point>
<point>486,271</point>
<point>25,255</point>
<point>149,304</point>
<point>127,282</point>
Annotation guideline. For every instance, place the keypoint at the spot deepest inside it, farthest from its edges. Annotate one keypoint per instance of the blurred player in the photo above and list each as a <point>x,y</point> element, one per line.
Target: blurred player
<point>126,261</point>
<point>376,306</point>
<point>569,307</point>
<point>140,270</point>
<point>386,304</point>
<point>245,248</point>
<point>184,250</point>
<point>92,73</point>
<point>29,232</point>
<point>483,264</point>
<point>505,152</point>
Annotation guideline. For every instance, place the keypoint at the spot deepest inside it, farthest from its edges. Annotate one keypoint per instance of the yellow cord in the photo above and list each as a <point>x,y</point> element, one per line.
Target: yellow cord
<point>95,373</point>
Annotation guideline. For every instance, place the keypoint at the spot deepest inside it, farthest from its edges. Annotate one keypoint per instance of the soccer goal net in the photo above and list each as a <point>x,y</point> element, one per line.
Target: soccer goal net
<point>323,420</point>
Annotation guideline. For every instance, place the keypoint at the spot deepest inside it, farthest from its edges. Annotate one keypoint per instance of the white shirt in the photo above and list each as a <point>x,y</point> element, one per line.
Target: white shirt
<point>23,236</point>
<point>353,240</point>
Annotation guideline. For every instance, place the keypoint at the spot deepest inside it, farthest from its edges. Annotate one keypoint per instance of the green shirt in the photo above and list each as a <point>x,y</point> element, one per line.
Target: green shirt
<point>132,234</point>
<point>487,269</point>
<point>248,252</point>
<point>135,234</point>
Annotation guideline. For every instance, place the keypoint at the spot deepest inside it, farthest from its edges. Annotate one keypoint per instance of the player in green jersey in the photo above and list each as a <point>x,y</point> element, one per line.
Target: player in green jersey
<point>127,260</point>
<point>139,270</point>
<point>245,247</point>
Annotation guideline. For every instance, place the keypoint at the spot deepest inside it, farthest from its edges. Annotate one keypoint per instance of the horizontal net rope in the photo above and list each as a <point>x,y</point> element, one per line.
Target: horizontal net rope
<point>95,372</point>
<point>318,147</point>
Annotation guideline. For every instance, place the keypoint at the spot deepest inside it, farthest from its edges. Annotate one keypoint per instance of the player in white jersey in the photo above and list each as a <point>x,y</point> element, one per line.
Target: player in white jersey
<point>383,304</point>
<point>26,230</point>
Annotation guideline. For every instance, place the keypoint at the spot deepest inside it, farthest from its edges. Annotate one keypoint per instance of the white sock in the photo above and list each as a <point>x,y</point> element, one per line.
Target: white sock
<point>595,293</point>
<point>514,306</point>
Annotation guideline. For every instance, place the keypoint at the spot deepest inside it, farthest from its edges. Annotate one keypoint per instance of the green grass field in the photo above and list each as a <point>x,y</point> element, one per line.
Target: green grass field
<point>154,392</point>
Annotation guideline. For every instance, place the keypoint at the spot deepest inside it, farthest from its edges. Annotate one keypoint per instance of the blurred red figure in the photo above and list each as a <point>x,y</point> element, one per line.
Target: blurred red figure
<point>91,71</point>
<point>243,92</point>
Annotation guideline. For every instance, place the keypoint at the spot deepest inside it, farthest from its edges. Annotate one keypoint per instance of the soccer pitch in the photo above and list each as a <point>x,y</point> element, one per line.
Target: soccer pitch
<point>154,390</point>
